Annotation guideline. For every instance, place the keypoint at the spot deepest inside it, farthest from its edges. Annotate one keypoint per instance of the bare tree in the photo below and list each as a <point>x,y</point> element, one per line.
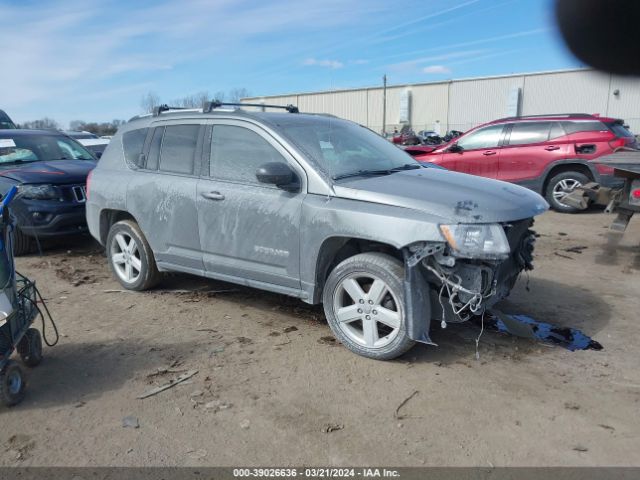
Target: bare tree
<point>104,128</point>
<point>76,125</point>
<point>237,94</point>
<point>45,123</point>
<point>149,101</point>
<point>219,96</point>
<point>195,100</point>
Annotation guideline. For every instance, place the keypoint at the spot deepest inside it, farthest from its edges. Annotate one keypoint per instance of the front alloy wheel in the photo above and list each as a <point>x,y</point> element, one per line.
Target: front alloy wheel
<point>364,304</point>
<point>367,311</point>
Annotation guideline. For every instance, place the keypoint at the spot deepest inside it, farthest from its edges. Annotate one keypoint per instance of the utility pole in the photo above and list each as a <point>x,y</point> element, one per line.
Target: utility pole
<point>384,105</point>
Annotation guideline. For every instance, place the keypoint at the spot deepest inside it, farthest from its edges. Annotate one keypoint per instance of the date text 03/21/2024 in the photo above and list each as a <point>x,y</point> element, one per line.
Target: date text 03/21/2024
<point>315,472</point>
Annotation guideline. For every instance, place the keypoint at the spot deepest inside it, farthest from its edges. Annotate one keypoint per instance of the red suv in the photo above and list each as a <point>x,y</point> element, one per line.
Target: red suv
<point>551,154</point>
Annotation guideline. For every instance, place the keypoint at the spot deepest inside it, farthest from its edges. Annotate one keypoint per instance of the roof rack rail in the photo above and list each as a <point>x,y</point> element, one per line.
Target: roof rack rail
<point>165,108</point>
<point>209,106</point>
<point>545,115</point>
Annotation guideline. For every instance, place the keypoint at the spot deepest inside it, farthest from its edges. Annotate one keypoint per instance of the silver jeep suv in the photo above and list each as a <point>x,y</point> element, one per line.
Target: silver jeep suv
<point>313,207</point>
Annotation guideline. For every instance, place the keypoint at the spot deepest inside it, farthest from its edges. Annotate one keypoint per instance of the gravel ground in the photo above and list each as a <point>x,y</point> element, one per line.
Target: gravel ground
<point>273,388</point>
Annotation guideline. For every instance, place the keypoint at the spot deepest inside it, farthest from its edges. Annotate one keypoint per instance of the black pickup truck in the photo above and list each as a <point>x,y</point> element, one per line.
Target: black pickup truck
<point>5,121</point>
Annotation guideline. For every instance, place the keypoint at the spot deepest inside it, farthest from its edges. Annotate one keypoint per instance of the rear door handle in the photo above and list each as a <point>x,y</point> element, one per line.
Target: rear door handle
<point>213,195</point>
<point>551,148</point>
<point>489,152</point>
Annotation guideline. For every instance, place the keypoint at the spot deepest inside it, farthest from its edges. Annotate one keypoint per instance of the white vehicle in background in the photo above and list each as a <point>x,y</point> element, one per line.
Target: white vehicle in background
<point>90,141</point>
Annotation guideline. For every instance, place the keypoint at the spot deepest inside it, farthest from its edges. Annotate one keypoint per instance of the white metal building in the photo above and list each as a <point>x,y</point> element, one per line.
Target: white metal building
<point>462,104</point>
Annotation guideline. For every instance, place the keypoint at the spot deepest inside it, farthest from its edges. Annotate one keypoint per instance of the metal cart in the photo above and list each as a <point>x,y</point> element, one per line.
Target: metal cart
<point>19,300</point>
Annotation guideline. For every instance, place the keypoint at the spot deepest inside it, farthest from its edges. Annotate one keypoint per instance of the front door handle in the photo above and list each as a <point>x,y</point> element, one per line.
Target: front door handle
<point>551,148</point>
<point>489,152</point>
<point>213,195</point>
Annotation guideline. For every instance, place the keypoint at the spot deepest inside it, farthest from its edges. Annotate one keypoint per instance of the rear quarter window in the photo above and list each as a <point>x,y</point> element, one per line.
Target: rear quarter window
<point>619,130</point>
<point>132,143</point>
<point>589,126</point>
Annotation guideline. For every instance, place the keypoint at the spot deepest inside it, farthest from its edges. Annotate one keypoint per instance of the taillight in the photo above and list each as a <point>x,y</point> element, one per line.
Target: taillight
<point>634,193</point>
<point>88,184</point>
<point>617,143</point>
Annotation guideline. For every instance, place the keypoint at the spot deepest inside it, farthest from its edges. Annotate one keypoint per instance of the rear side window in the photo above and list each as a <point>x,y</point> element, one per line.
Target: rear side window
<point>237,152</point>
<point>154,148</point>
<point>589,126</point>
<point>179,148</point>
<point>524,133</point>
<point>132,142</point>
<point>556,131</point>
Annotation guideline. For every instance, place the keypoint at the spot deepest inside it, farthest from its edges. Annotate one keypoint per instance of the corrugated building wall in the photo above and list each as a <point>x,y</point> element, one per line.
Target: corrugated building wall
<point>463,104</point>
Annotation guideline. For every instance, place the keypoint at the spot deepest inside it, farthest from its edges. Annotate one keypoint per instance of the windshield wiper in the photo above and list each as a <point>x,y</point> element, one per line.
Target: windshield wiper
<point>362,173</point>
<point>11,162</point>
<point>387,171</point>
<point>406,166</point>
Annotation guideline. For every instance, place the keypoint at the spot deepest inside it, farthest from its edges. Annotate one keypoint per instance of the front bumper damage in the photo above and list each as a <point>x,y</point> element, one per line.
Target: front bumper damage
<point>439,286</point>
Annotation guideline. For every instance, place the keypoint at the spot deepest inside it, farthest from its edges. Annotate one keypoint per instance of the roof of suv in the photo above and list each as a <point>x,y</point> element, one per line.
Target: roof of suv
<point>274,118</point>
<point>567,117</point>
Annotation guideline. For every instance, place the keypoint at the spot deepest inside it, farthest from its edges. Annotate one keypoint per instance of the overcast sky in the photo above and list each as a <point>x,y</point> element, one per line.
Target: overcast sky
<point>93,61</point>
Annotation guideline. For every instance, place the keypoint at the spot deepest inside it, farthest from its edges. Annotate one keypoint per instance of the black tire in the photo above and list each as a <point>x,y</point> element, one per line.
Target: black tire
<point>22,244</point>
<point>554,183</point>
<point>391,272</point>
<point>149,276</point>
<point>12,384</point>
<point>30,348</point>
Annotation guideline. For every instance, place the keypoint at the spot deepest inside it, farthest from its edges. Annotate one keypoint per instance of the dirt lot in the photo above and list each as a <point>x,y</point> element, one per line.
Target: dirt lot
<point>273,388</point>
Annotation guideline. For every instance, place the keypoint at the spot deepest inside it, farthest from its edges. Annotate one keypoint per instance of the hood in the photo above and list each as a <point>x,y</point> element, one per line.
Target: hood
<point>455,197</point>
<point>420,149</point>
<point>55,172</point>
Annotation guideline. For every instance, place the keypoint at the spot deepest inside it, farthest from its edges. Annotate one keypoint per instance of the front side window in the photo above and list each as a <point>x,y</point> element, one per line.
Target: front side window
<point>237,152</point>
<point>43,148</point>
<point>179,148</point>
<point>487,137</point>
<point>524,133</point>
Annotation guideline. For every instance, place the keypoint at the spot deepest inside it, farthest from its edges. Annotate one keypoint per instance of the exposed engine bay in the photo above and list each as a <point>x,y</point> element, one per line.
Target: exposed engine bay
<point>461,288</point>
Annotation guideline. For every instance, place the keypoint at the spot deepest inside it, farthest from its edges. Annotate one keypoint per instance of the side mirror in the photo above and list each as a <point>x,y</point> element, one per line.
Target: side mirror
<point>98,155</point>
<point>279,174</point>
<point>454,148</point>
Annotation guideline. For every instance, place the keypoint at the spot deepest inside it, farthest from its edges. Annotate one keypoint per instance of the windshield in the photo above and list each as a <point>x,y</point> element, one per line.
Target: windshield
<point>343,148</point>
<point>44,148</point>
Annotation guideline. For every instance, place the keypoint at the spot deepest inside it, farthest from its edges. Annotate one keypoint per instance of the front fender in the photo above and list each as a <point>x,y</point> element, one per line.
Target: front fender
<point>325,218</point>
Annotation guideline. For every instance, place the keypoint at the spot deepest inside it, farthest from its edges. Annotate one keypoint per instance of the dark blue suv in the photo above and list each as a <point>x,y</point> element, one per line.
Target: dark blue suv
<point>50,170</point>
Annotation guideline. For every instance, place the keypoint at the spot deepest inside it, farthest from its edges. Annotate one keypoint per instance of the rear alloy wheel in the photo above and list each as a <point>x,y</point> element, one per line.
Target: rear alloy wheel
<point>562,185</point>
<point>364,305</point>
<point>130,256</point>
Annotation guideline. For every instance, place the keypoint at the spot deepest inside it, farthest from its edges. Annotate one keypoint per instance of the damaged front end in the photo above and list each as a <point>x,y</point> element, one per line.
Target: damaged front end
<point>475,268</point>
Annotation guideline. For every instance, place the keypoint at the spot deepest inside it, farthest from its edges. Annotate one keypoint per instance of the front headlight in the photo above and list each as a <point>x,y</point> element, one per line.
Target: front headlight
<point>486,242</point>
<point>39,192</point>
